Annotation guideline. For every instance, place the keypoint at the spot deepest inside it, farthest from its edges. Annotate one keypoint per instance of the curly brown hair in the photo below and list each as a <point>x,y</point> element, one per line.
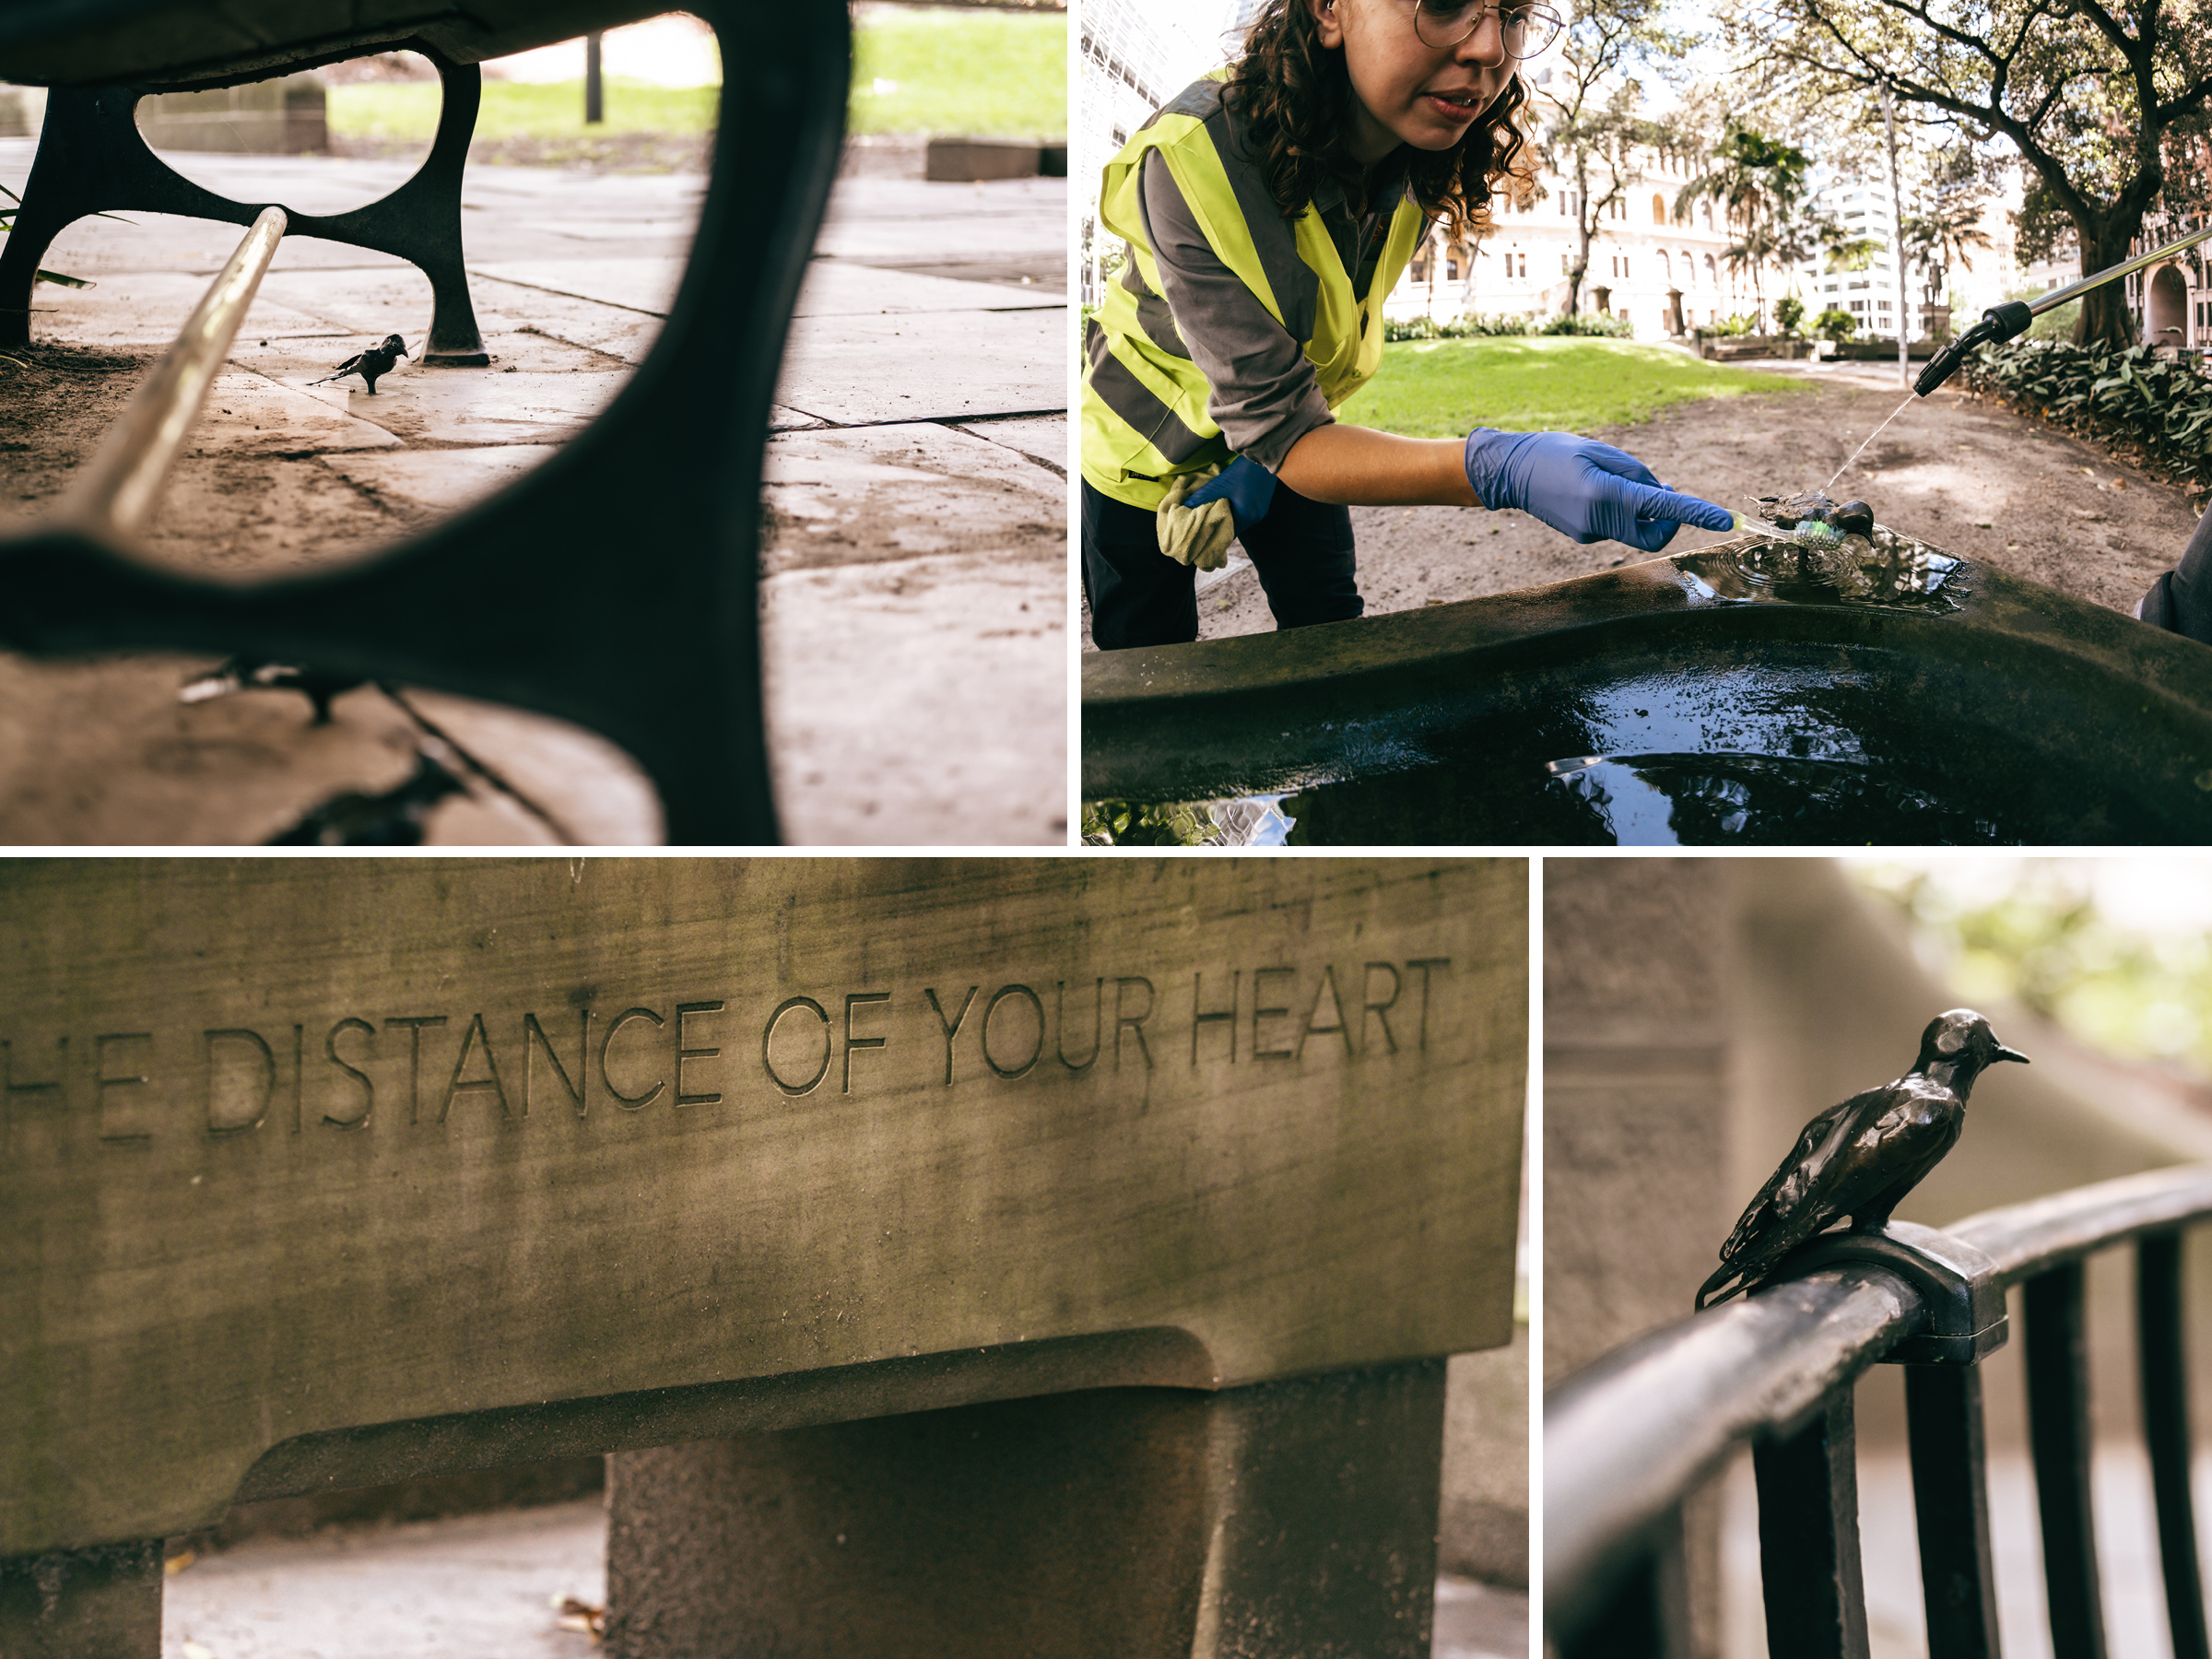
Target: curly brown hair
<point>1293,97</point>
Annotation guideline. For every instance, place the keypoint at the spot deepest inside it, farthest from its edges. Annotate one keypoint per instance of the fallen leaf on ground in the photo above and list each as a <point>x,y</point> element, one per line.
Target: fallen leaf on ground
<point>579,1616</point>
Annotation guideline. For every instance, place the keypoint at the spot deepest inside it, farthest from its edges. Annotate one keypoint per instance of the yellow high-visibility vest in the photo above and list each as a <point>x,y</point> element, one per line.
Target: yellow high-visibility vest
<point>1145,418</point>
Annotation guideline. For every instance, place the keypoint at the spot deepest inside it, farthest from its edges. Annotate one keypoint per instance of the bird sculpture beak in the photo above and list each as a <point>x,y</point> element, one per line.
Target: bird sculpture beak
<point>2006,1053</point>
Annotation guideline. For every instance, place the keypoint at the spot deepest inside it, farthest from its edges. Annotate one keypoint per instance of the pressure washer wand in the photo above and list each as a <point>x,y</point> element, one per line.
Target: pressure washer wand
<point>2010,320</point>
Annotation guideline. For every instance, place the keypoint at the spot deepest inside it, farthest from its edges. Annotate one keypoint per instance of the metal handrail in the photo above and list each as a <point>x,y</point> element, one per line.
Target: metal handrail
<point>115,494</point>
<point>1628,1438</point>
<point>2024,1240</point>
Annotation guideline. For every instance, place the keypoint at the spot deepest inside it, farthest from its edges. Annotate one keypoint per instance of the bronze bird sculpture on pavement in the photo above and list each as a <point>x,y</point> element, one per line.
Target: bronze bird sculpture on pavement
<point>371,364</point>
<point>1861,1157</point>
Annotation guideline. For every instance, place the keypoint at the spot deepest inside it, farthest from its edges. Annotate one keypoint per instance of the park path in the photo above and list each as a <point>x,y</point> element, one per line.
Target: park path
<point>1970,477</point>
<point>475,1585</point>
<point>913,575</point>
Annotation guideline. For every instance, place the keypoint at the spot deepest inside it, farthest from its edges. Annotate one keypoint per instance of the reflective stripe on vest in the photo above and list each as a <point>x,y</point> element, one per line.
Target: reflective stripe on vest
<point>1145,417</point>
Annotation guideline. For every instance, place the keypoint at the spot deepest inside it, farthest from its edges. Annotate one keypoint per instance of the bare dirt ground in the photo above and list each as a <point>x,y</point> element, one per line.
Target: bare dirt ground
<point>1970,477</point>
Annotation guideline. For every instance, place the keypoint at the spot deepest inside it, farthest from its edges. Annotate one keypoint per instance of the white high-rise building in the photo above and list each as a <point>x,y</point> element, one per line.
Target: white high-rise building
<point>1136,56</point>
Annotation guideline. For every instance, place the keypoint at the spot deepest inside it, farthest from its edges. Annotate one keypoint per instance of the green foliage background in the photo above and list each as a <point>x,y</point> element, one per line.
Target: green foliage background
<point>2043,946</point>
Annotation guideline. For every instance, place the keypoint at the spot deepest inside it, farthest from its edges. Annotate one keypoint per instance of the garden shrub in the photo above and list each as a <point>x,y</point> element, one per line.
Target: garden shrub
<point>1599,325</point>
<point>2155,411</point>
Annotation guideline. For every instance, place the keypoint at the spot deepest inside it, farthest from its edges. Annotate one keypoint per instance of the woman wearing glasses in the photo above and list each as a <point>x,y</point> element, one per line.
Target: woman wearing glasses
<point>1269,211</point>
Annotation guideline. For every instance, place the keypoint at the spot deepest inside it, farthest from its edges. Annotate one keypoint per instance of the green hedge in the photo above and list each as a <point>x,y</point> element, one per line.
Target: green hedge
<point>1471,326</point>
<point>2156,411</point>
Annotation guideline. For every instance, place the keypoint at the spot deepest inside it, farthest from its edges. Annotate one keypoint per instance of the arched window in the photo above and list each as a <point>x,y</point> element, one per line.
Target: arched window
<point>1666,267</point>
<point>1709,221</point>
<point>1658,209</point>
<point>1710,274</point>
<point>1690,268</point>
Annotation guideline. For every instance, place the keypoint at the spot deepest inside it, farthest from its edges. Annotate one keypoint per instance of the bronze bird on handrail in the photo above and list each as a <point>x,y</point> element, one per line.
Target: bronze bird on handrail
<point>1861,1157</point>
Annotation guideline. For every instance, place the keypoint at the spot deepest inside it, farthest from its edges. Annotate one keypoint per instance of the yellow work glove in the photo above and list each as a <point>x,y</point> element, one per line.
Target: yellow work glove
<point>1198,537</point>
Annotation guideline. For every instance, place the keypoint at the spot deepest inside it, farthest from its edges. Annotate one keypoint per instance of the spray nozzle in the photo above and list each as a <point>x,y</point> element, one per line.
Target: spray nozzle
<point>1999,323</point>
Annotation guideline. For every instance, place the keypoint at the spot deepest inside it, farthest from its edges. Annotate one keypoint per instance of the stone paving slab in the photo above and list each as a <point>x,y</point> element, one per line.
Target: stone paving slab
<point>1044,439</point>
<point>868,746</point>
<point>638,283</point>
<point>153,771</point>
<point>890,550</point>
<point>588,324</point>
<point>441,481</point>
<point>930,366</point>
<point>540,759</point>
<point>149,308</point>
<point>473,408</point>
<point>483,1587</point>
<point>873,493</point>
<point>250,414</point>
<point>468,1587</point>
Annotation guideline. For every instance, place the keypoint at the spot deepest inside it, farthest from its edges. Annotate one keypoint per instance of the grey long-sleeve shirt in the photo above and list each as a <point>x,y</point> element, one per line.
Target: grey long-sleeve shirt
<point>1264,396</point>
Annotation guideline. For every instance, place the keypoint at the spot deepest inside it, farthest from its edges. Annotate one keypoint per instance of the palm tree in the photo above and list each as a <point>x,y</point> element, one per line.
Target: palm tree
<point>1758,182</point>
<point>1948,231</point>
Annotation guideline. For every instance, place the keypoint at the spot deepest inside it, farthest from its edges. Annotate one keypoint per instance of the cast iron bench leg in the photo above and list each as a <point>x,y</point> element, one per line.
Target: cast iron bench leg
<point>92,158</point>
<point>75,1604</point>
<point>1289,1518</point>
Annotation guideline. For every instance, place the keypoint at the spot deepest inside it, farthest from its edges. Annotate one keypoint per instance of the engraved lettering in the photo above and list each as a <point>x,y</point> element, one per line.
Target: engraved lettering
<point>768,1036</point>
<point>103,1081</point>
<point>299,1076</point>
<point>13,1088</point>
<point>1200,1018</point>
<point>330,1052</point>
<point>1259,1013</point>
<point>1327,988</point>
<point>1379,1011</point>
<point>952,1027</point>
<point>1036,1048</point>
<point>683,1053</point>
<point>629,1102</point>
<point>470,1039</point>
<point>855,999</point>
<point>1098,1024</point>
<point>232,1084</point>
<point>1136,1024</point>
<point>1424,964</point>
<point>413,1024</point>
<point>573,1089</point>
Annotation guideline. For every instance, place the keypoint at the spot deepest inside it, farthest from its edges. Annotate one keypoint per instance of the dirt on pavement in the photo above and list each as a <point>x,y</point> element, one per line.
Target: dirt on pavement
<point>1969,477</point>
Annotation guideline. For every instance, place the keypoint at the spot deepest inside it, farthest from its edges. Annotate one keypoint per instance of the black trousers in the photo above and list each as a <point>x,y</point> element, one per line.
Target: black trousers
<point>1138,595</point>
<point>2181,601</point>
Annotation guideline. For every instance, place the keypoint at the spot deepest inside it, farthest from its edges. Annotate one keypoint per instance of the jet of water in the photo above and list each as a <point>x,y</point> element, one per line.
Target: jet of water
<point>1901,409</point>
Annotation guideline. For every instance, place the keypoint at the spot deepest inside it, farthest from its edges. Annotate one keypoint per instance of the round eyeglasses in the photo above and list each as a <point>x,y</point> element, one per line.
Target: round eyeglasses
<point>1525,30</point>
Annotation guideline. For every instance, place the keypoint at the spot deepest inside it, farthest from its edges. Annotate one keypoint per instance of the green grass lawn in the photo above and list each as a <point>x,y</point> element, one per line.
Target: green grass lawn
<point>979,74</point>
<point>400,111</point>
<point>986,75</point>
<point>1543,382</point>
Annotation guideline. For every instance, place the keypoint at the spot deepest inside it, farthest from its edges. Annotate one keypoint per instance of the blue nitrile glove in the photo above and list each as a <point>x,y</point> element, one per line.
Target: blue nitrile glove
<point>1584,488</point>
<point>1246,485</point>
<point>1195,524</point>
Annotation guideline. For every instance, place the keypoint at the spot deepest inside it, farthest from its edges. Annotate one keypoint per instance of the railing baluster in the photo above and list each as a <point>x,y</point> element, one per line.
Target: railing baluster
<point>2164,1347</point>
<point>2058,1425</point>
<point>1649,1615</point>
<point>1950,1499</point>
<point>1808,1537</point>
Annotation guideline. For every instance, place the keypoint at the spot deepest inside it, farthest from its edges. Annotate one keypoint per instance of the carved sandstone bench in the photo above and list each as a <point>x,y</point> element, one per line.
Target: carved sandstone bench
<point>975,1257</point>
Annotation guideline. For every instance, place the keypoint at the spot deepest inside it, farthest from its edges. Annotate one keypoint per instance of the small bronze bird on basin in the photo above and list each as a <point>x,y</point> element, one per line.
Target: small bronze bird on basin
<point>377,360</point>
<point>1861,1157</point>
